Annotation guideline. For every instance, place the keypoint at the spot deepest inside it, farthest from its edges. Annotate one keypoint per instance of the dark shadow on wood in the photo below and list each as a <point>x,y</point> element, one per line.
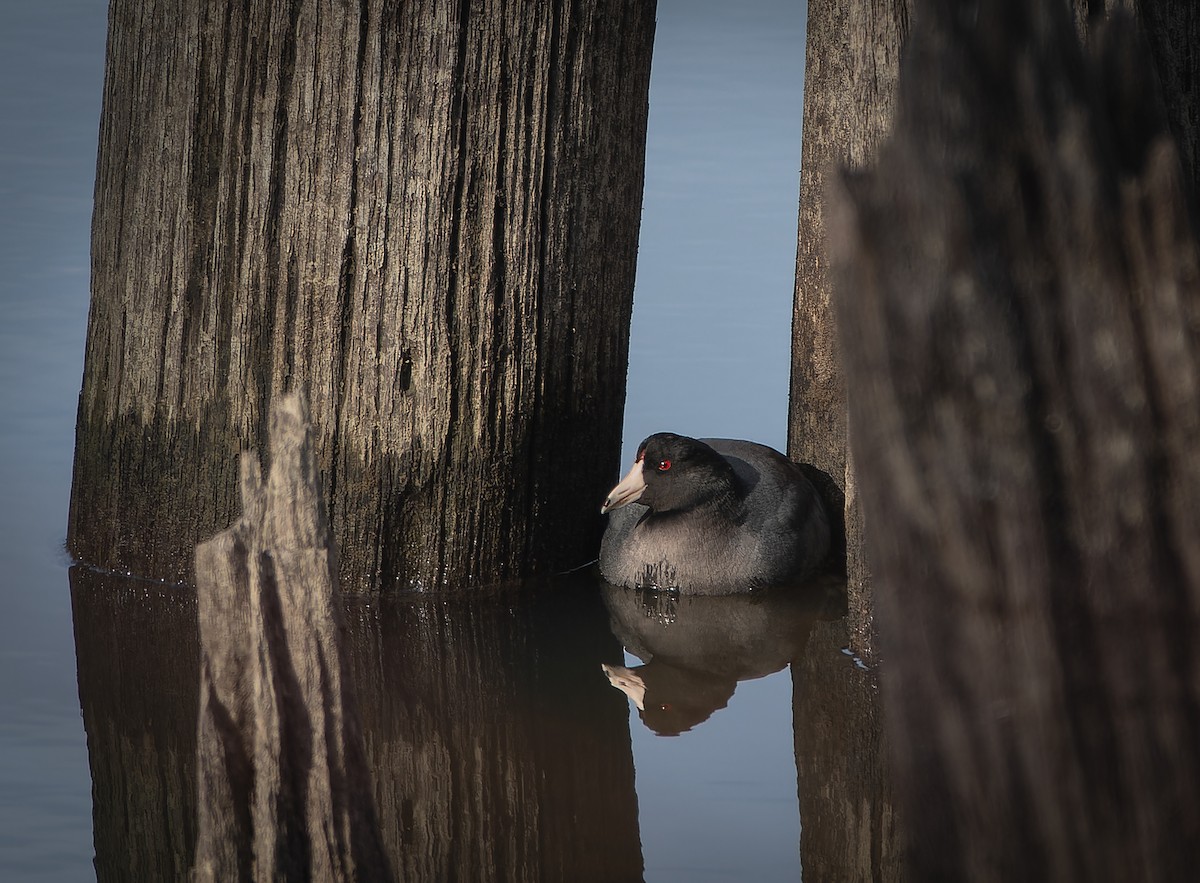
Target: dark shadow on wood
<point>834,500</point>
<point>1170,33</point>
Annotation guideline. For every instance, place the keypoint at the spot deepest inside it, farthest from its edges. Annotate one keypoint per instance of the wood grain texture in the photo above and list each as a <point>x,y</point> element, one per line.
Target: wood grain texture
<point>1020,317</point>
<point>852,61</point>
<point>283,790</point>
<point>425,213</point>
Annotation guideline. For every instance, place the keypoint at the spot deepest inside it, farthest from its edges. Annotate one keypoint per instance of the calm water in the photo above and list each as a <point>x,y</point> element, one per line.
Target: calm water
<point>97,730</point>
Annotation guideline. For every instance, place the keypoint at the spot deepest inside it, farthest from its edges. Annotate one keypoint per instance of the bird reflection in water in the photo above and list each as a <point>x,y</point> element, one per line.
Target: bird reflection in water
<point>695,649</point>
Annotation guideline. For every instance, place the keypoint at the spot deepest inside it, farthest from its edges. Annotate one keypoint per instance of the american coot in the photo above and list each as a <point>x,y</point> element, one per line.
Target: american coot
<point>712,517</point>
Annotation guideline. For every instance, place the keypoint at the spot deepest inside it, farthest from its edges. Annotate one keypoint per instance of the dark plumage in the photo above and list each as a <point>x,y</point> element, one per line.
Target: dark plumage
<point>712,517</point>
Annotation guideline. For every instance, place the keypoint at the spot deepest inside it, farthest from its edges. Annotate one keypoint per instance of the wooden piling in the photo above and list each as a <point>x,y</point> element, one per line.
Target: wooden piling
<point>1019,306</point>
<point>427,214</point>
<point>282,784</point>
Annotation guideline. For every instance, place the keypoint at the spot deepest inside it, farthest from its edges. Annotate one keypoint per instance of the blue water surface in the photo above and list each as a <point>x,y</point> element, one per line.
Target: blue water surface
<point>51,71</point>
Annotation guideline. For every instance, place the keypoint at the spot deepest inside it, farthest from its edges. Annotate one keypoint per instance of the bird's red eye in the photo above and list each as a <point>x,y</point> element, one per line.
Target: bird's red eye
<point>664,465</point>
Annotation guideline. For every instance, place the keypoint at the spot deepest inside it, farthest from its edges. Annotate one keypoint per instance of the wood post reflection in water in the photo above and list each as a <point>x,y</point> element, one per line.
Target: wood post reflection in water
<point>137,653</point>
<point>497,748</point>
<point>500,751</point>
<point>849,826</point>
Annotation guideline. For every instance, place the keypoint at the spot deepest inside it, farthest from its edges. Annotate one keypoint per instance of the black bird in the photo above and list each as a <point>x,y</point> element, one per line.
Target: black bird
<point>712,517</point>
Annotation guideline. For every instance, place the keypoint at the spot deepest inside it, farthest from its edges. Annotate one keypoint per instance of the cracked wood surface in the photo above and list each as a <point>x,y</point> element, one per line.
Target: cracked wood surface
<point>283,789</point>
<point>427,214</point>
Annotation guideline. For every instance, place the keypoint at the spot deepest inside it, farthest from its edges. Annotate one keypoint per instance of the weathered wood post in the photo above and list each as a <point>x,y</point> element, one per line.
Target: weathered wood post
<point>852,60</point>
<point>427,213</point>
<point>1019,302</point>
<point>283,789</point>
<point>849,830</point>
